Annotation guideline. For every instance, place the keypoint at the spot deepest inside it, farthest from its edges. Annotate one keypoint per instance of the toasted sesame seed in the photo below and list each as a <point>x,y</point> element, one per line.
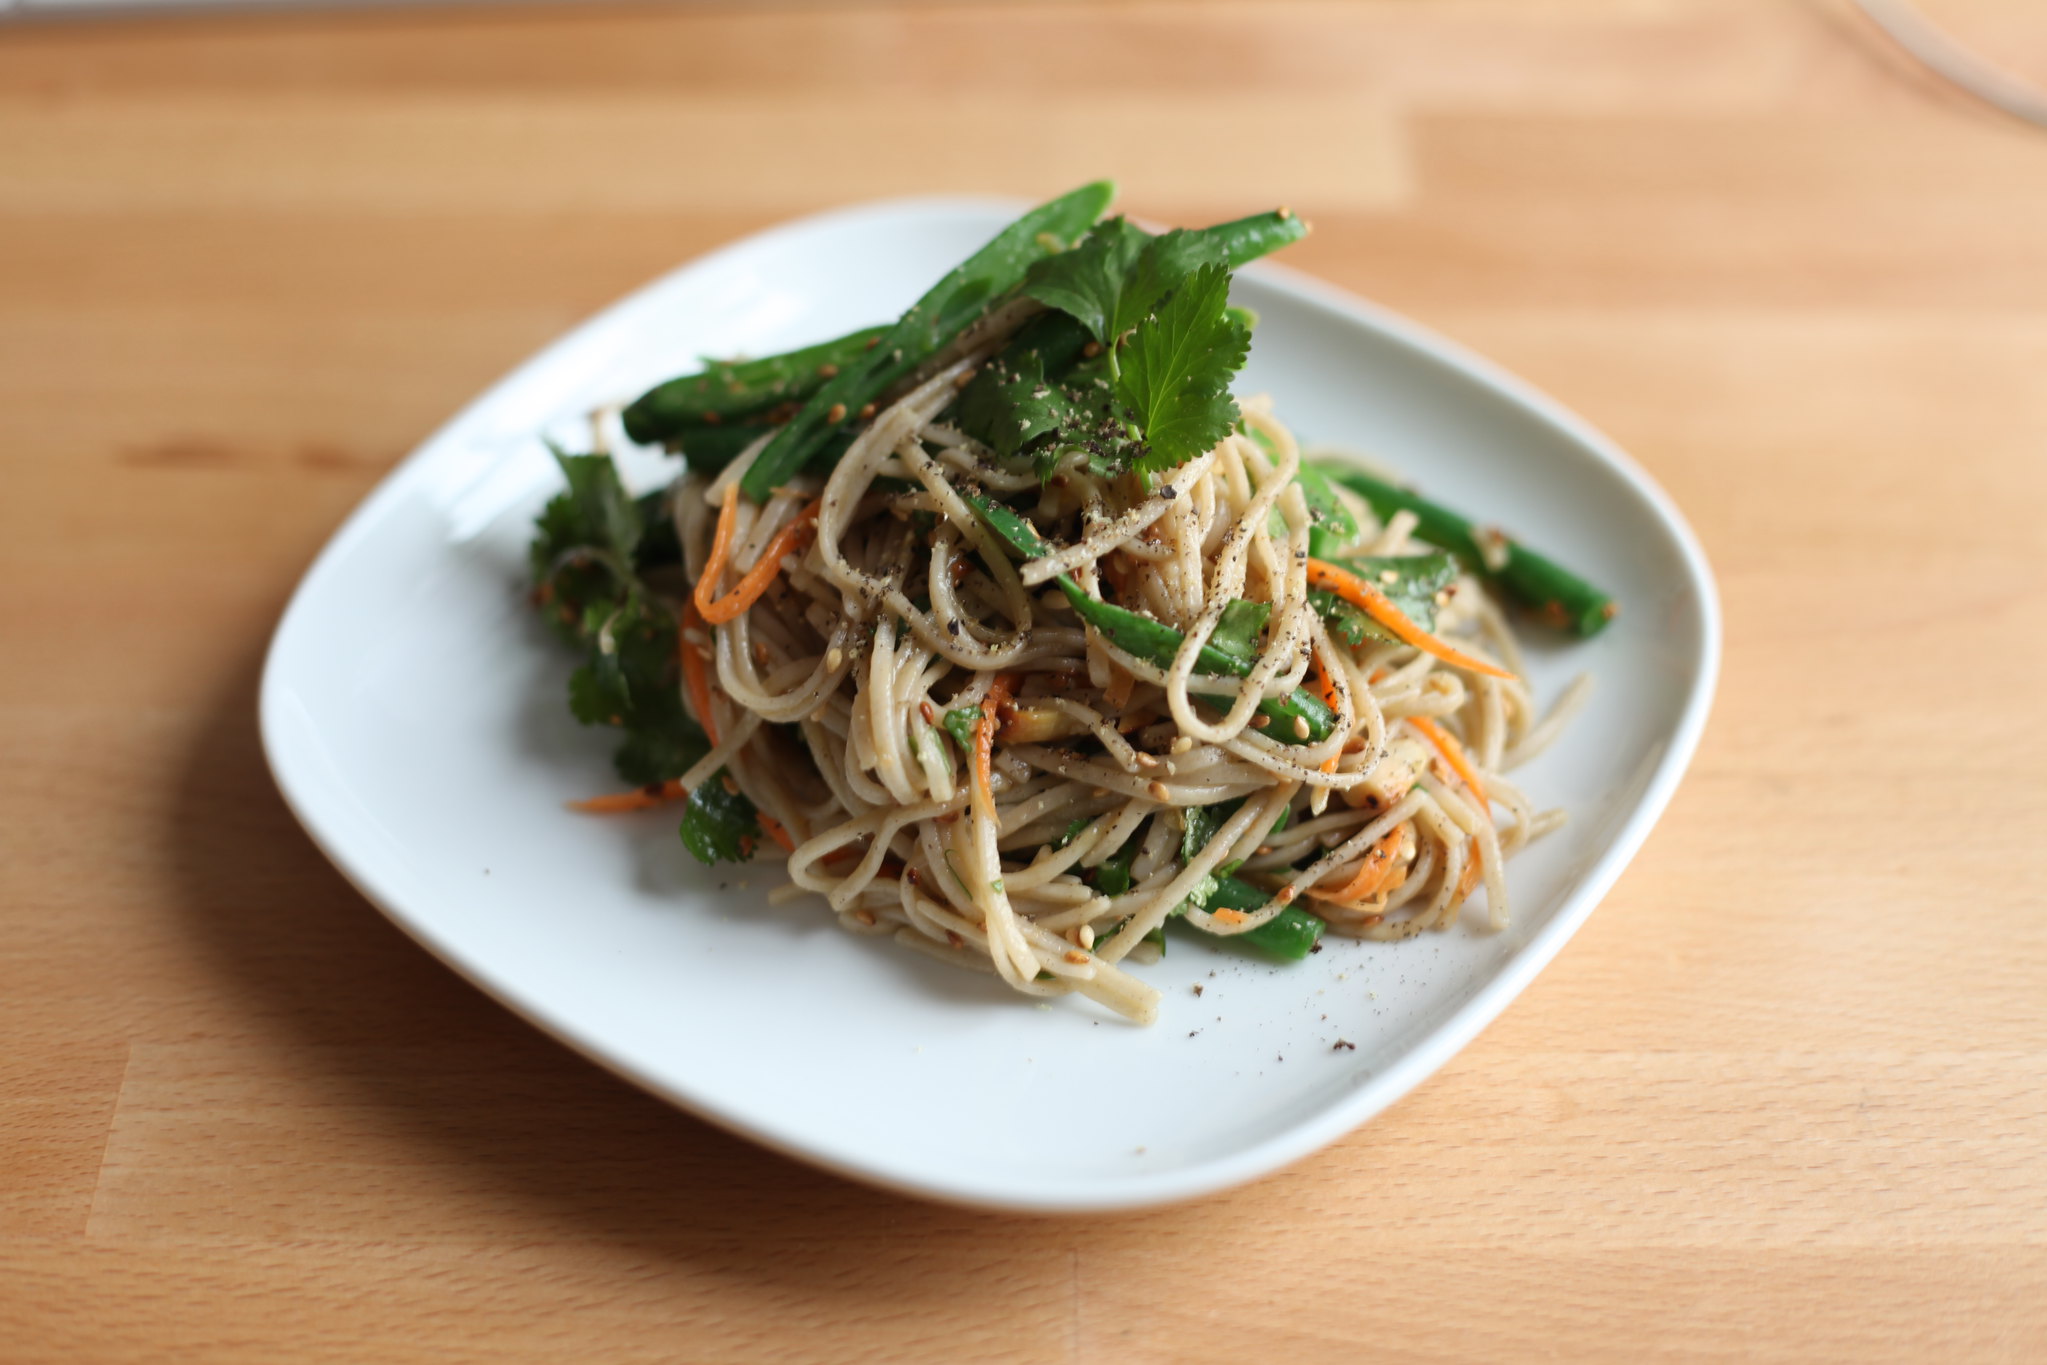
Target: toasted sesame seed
<point>828,371</point>
<point>1284,213</point>
<point>963,379</point>
<point>1091,350</point>
<point>1301,727</point>
<point>1076,957</point>
<point>1099,792</point>
<point>866,917</point>
<point>866,411</point>
<point>833,657</point>
<point>835,413</point>
<point>1147,761</point>
<point>1184,744</point>
<point>1084,936</point>
<point>1260,721</point>
<point>1157,791</point>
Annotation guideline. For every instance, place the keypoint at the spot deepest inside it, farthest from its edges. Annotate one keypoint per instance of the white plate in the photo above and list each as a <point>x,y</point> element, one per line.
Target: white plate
<point>413,715</point>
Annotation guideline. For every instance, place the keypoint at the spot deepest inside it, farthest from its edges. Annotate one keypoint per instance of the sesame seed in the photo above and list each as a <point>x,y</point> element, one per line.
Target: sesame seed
<point>1260,721</point>
<point>1091,350</point>
<point>963,379</point>
<point>833,657</point>
<point>1301,729</point>
<point>828,371</point>
<point>1285,213</point>
<point>1084,936</point>
<point>866,411</point>
<point>1157,791</point>
<point>866,917</point>
<point>836,413</point>
<point>1183,744</point>
<point>1076,957</point>
<point>1147,761</point>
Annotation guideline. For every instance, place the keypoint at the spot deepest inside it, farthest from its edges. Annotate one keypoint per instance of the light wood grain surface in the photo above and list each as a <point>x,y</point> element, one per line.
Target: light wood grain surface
<point>1783,1099</point>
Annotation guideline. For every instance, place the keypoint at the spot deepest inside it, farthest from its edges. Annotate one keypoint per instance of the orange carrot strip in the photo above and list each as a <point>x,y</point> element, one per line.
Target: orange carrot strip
<point>984,732</point>
<point>775,831</point>
<point>1372,878</point>
<point>1328,689</point>
<point>1453,752</point>
<point>639,798</point>
<point>694,674</point>
<point>1367,598</point>
<point>754,582</point>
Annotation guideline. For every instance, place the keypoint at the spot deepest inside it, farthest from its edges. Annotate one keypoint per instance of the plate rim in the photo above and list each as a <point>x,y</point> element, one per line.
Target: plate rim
<point>1063,1194</point>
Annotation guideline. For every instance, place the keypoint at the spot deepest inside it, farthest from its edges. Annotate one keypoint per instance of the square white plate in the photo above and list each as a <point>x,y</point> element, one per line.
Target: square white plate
<point>413,713</point>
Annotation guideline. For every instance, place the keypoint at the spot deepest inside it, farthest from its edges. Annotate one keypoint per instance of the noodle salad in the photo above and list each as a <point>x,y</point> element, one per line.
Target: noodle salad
<point>1019,637</point>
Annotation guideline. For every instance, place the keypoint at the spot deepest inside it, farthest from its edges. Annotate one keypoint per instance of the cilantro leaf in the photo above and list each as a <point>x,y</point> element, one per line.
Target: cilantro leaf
<point>1177,368</point>
<point>719,825</point>
<point>1011,407</point>
<point>600,513</point>
<point>1087,283</point>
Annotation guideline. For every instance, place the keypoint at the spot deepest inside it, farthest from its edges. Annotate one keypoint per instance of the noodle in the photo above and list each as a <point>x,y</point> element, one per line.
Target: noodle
<point>877,629</point>
<point>1020,658</point>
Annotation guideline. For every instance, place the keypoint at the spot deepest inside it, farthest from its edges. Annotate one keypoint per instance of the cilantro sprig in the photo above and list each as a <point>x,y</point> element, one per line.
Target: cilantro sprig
<point>1149,387</point>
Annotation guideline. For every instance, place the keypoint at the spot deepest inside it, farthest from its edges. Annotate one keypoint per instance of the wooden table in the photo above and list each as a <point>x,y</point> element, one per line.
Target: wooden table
<point>1781,1100</point>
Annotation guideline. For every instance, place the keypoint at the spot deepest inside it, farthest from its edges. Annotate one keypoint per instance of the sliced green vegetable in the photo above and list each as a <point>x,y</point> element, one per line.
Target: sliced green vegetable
<point>733,389</point>
<point>1556,595</point>
<point>1157,643</point>
<point>1289,936</point>
<point>960,723</point>
<point>1412,582</point>
<point>719,825</point>
<point>932,322</point>
<point>1111,876</point>
<point>1237,630</point>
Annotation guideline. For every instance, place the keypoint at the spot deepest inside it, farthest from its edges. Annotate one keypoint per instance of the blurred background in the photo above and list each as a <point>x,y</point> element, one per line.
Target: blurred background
<point>1780,1099</point>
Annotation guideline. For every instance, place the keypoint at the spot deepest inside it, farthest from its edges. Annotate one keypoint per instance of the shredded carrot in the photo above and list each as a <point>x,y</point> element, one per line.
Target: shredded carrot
<point>754,582</point>
<point>694,674</point>
<point>1367,598</point>
<point>1378,873</point>
<point>775,831</point>
<point>984,733</point>
<point>1453,753</point>
<point>1329,697</point>
<point>639,798</point>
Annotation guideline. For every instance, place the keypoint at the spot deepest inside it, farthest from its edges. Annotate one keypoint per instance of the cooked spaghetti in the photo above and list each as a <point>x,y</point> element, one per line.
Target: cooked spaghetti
<point>1018,709</point>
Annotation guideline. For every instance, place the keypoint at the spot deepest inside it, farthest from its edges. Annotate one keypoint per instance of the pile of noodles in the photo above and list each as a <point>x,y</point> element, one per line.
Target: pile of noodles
<point>904,606</point>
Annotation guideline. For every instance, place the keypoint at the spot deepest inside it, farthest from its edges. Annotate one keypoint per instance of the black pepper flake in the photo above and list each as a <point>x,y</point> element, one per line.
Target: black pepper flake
<point>1317,948</point>
<point>1342,1045</point>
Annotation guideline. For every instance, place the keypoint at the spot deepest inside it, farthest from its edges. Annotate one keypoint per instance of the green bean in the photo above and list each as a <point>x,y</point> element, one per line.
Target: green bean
<point>1556,595</point>
<point>730,390</point>
<point>1157,643</point>
<point>1154,641</point>
<point>933,321</point>
<point>1246,239</point>
<point>1290,935</point>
